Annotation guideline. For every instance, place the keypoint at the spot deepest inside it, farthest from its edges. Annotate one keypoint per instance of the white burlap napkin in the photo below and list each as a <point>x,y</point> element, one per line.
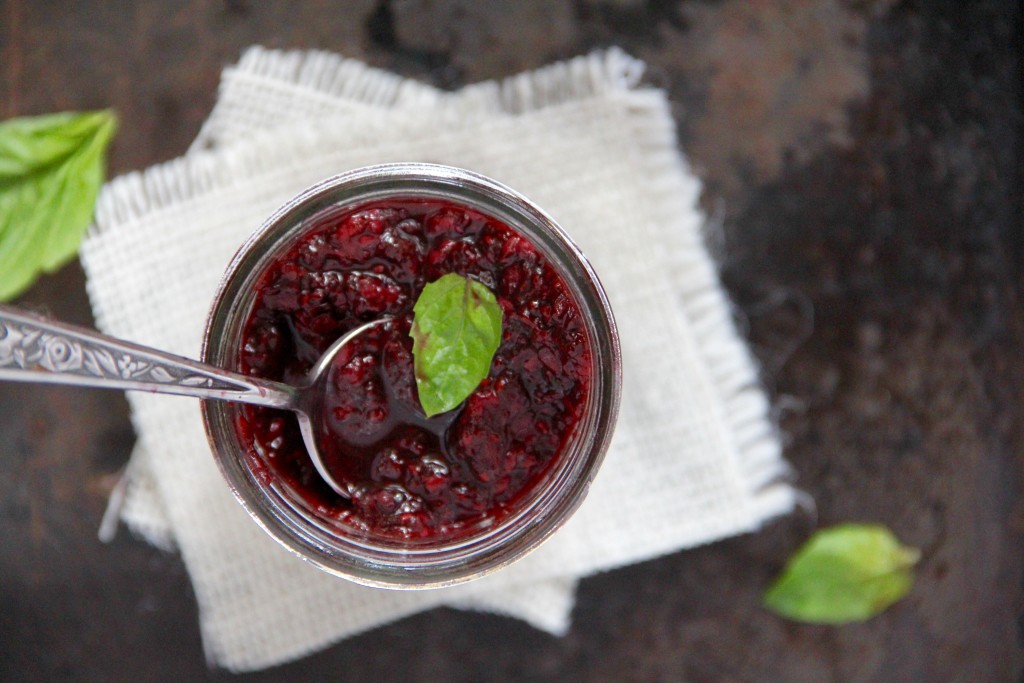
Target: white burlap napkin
<point>694,458</point>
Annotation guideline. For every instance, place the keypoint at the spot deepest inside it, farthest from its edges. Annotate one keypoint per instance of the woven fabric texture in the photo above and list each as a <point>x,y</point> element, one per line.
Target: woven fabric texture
<point>694,458</point>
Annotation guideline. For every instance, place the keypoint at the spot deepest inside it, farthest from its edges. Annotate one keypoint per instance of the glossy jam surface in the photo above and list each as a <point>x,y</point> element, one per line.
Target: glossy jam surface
<point>412,477</point>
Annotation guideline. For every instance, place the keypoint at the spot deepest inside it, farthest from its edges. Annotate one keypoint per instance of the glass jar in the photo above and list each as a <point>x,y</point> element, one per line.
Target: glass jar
<point>286,515</point>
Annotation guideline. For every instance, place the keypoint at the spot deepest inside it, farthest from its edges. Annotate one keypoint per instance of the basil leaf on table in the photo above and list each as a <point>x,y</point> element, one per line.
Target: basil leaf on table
<point>845,573</point>
<point>456,330</point>
<point>51,169</point>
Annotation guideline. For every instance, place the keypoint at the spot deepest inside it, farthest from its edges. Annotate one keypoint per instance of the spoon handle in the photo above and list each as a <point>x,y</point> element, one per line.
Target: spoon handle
<point>34,349</point>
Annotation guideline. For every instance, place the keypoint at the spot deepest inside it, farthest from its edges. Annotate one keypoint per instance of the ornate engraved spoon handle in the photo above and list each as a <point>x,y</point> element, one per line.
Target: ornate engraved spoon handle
<point>34,349</point>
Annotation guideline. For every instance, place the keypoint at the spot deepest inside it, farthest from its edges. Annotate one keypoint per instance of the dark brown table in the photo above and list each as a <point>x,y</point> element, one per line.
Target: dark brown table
<point>863,168</point>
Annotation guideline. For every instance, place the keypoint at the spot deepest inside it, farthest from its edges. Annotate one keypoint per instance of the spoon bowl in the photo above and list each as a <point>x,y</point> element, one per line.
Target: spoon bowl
<point>309,399</point>
<point>36,349</point>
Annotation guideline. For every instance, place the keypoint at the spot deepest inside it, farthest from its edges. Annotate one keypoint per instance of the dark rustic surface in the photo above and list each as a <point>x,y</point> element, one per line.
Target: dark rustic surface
<point>864,160</point>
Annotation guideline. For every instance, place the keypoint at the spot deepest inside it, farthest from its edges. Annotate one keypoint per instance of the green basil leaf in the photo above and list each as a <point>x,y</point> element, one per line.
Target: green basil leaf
<point>51,169</point>
<point>846,573</point>
<point>456,330</point>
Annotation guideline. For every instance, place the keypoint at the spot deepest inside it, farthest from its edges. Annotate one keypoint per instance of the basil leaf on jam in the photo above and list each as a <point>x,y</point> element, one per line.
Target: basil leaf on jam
<point>51,169</point>
<point>456,330</point>
<point>846,573</point>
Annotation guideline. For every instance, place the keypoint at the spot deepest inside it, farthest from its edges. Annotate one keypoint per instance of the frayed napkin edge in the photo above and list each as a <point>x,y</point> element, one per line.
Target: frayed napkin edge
<point>138,193</point>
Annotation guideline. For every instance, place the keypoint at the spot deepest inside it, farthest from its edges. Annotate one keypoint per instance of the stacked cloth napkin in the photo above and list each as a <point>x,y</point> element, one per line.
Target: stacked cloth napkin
<point>694,457</point>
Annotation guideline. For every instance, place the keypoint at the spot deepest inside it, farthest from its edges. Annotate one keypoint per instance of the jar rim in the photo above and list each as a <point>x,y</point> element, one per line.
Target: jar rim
<point>394,565</point>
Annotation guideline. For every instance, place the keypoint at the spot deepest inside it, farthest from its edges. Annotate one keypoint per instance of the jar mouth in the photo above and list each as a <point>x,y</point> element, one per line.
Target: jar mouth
<point>327,543</point>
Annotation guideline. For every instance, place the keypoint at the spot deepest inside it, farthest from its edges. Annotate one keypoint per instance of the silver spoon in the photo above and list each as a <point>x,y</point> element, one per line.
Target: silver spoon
<point>34,349</point>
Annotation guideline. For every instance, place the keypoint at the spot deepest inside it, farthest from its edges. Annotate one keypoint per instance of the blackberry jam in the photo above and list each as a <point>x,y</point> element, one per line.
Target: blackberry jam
<point>411,477</point>
<point>433,501</point>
